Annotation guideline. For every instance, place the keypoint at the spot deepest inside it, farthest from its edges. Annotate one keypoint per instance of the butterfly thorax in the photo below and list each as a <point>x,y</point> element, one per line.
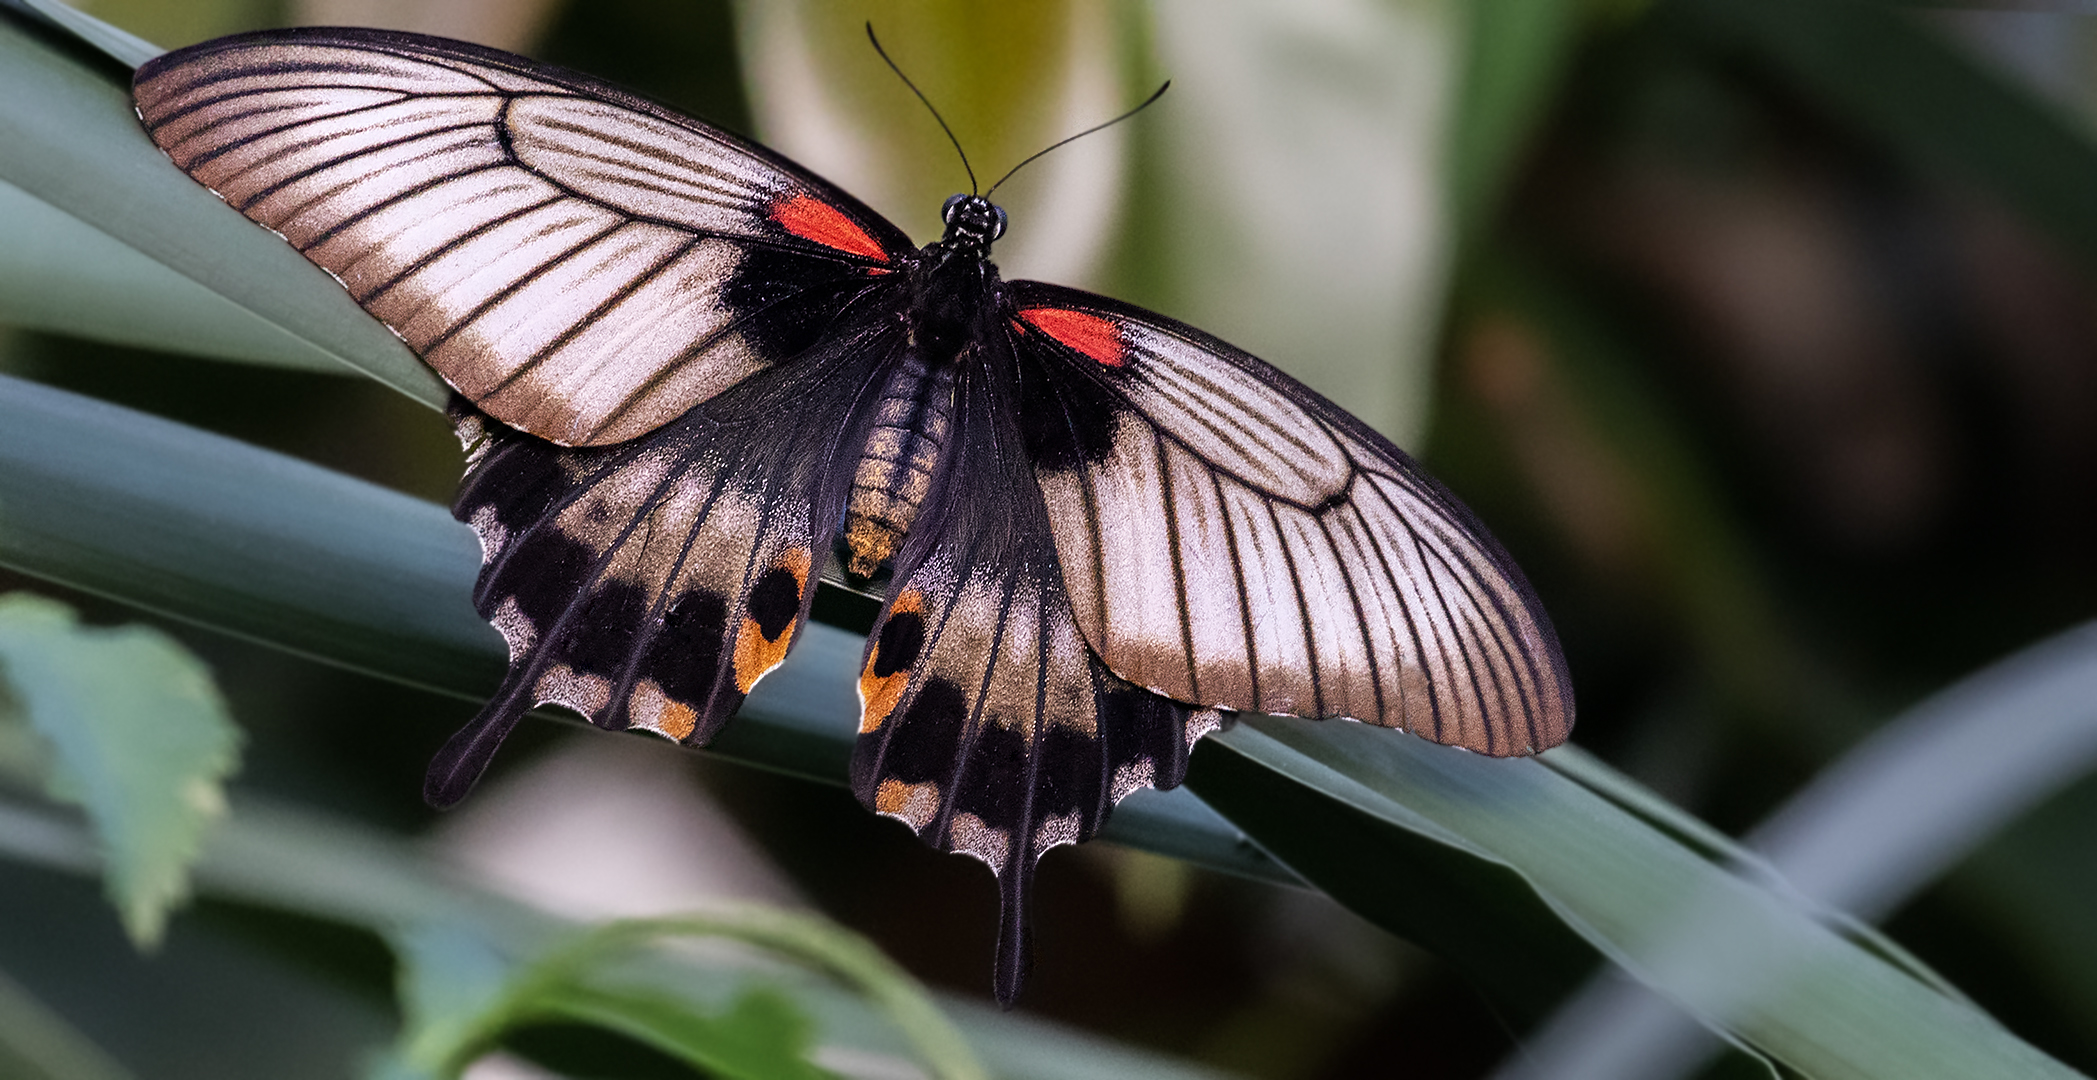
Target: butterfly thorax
<point>952,284</point>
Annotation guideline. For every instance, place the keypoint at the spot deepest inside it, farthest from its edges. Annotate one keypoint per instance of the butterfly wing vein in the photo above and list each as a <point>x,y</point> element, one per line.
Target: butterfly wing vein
<point>553,248</point>
<point>1241,543</point>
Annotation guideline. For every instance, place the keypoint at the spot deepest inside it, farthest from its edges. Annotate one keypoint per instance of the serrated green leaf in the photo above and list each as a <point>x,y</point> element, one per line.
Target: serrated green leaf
<point>139,739</point>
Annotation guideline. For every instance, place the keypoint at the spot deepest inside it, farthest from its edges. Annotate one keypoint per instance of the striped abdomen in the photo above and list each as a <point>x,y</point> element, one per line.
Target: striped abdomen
<point>894,475</point>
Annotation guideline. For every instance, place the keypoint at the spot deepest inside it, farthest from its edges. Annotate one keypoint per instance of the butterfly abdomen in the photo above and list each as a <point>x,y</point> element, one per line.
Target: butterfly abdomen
<point>912,425</point>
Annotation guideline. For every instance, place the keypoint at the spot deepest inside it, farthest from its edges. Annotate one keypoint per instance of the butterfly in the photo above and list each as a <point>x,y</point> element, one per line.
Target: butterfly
<point>690,375</point>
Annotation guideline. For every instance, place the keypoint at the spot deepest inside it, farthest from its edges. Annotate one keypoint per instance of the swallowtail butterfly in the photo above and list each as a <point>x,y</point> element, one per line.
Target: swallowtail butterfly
<point>690,374</point>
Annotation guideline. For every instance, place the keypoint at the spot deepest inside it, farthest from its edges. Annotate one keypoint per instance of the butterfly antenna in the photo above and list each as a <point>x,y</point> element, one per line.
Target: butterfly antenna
<point>928,105</point>
<point>1155,95</point>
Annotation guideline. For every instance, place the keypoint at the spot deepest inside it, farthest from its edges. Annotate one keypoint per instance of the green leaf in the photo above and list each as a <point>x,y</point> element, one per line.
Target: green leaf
<point>1892,815</point>
<point>815,942</point>
<point>452,982</point>
<point>210,530</point>
<point>295,860</point>
<point>37,1043</point>
<point>1890,74</point>
<point>1421,882</point>
<point>761,1036</point>
<point>60,274</point>
<point>462,996</point>
<point>120,45</point>
<point>139,738</point>
<point>1516,51</point>
<point>1775,978</point>
<point>63,117</point>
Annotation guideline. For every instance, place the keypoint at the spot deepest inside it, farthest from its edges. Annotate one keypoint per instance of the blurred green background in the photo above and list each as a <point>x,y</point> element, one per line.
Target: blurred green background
<point>1763,332</point>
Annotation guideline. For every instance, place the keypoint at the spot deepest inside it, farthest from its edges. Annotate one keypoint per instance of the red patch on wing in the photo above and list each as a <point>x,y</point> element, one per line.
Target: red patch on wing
<point>1096,337</point>
<point>811,218</point>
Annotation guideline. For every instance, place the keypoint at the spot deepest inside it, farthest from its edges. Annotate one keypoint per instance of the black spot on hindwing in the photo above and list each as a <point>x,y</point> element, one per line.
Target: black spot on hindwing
<point>775,602</point>
<point>927,736</point>
<point>1069,781</point>
<point>996,768</point>
<point>1145,736</point>
<point>538,572</point>
<point>902,636</point>
<point>598,639</point>
<point>686,657</point>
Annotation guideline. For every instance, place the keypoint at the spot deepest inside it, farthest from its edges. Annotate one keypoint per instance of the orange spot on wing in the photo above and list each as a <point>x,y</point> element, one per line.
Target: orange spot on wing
<point>755,655</point>
<point>811,218</point>
<point>1092,335</point>
<point>648,708</point>
<point>877,693</point>
<point>917,804</point>
<point>677,720</point>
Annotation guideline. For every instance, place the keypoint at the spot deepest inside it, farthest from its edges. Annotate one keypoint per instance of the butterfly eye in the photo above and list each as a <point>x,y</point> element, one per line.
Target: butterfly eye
<point>1000,230</point>
<point>946,213</point>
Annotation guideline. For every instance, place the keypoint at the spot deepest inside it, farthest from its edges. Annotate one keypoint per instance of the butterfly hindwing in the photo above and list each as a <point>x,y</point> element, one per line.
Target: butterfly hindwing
<point>653,583</point>
<point>1230,538</point>
<point>987,724</point>
<point>580,263</point>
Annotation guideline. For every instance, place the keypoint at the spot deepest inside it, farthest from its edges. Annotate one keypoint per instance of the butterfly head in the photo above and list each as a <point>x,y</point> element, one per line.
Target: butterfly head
<point>973,222</point>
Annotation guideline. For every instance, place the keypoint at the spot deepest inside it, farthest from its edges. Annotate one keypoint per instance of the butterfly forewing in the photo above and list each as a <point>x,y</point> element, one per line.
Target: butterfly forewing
<point>577,262</point>
<point>1232,539</point>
